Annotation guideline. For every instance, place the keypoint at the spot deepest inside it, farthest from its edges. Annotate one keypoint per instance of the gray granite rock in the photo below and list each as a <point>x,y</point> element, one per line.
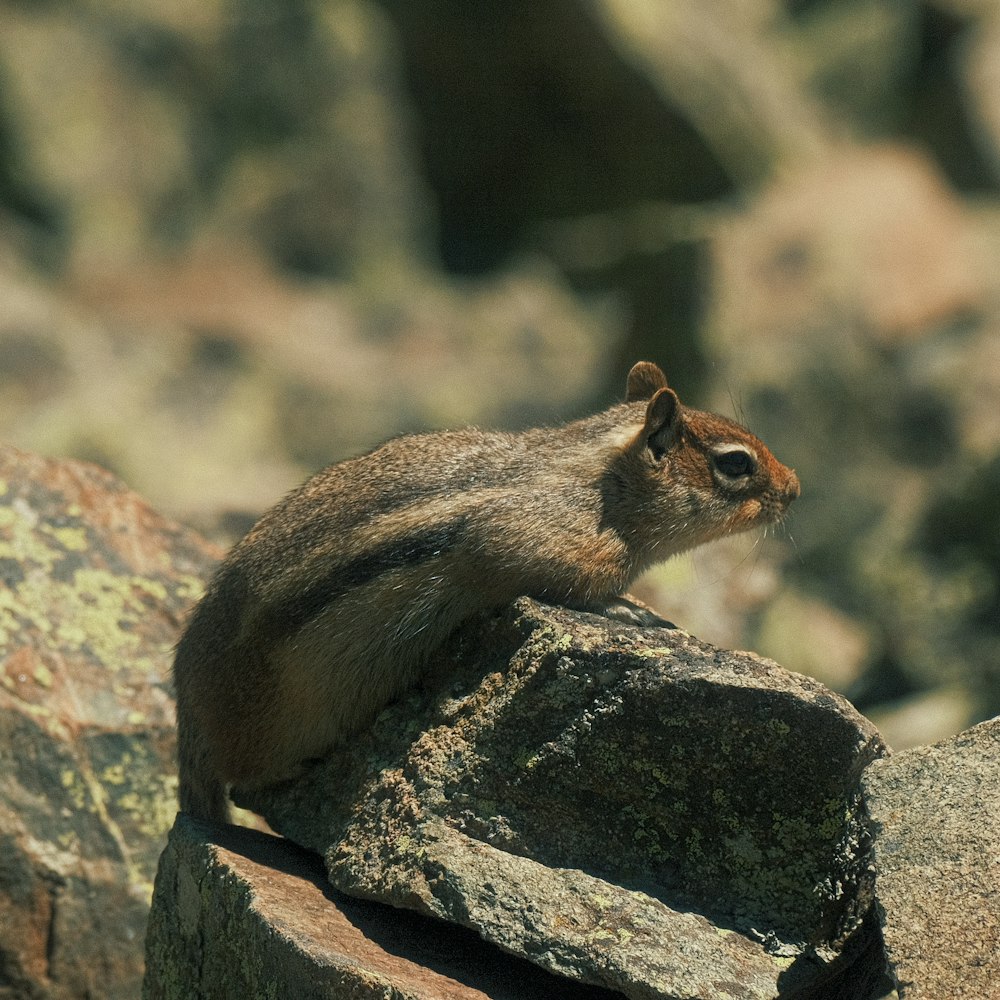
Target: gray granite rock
<point>630,808</point>
<point>935,814</point>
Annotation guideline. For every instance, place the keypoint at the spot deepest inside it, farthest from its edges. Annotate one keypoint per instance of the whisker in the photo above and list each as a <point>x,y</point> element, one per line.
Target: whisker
<point>795,546</point>
<point>736,405</point>
<point>729,570</point>
<point>756,548</point>
<point>753,548</point>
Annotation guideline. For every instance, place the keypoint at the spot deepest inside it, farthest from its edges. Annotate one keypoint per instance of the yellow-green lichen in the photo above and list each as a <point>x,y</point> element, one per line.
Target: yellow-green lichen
<point>69,842</point>
<point>564,643</point>
<point>651,652</point>
<point>189,588</point>
<point>692,845</point>
<point>76,790</point>
<point>114,774</point>
<point>21,541</point>
<point>602,934</point>
<point>71,538</point>
<point>151,809</point>
<point>96,611</point>
<point>742,852</point>
<point>80,607</point>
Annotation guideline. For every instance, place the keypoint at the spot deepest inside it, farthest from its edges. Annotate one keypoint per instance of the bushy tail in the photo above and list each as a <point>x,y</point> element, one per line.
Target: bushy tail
<point>201,792</point>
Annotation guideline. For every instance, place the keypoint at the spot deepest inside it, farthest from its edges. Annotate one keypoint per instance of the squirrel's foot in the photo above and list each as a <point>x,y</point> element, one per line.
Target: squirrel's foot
<point>629,610</point>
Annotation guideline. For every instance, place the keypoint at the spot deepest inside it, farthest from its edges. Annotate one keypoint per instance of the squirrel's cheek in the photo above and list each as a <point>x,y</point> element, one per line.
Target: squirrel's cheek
<point>750,511</point>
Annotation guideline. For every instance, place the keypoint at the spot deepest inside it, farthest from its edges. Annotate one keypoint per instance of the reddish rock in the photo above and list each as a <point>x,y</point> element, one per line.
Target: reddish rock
<point>93,588</point>
<point>238,914</point>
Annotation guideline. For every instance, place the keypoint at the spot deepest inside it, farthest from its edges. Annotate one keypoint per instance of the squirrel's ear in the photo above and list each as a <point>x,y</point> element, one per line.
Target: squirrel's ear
<point>644,380</point>
<point>663,419</point>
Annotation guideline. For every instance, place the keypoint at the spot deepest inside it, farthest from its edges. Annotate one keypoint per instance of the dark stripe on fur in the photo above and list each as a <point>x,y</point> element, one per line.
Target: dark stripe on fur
<point>409,550</point>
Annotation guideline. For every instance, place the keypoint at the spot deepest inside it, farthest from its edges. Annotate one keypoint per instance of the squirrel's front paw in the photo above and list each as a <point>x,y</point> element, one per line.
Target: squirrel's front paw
<point>627,609</point>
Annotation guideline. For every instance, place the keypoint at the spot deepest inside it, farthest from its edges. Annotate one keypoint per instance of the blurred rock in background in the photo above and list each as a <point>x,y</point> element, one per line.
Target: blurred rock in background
<point>241,240</point>
<point>94,586</point>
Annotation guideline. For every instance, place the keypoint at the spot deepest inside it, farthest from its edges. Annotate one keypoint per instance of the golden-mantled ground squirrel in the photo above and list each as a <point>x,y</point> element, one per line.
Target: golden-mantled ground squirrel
<point>330,606</point>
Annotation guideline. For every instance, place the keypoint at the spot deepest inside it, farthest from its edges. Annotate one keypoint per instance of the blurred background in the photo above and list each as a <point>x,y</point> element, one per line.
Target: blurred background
<point>240,240</point>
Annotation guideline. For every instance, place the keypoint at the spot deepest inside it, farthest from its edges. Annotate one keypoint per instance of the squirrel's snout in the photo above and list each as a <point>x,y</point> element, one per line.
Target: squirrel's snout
<point>793,488</point>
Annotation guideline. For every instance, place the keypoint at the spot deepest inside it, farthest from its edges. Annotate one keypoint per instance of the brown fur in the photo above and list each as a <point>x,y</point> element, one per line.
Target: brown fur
<point>330,606</point>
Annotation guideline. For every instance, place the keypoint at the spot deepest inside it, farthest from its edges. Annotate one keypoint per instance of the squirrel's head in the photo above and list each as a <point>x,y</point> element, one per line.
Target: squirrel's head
<point>710,476</point>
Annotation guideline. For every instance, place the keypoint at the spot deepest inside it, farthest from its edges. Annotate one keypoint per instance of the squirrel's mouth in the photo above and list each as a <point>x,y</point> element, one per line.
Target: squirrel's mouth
<point>758,512</point>
<point>775,503</point>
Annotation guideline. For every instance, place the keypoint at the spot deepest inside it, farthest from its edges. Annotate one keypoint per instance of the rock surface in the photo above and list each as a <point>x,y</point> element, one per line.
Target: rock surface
<point>265,249</point>
<point>626,807</point>
<point>936,820</point>
<point>240,914</point>
<point>93,585</point>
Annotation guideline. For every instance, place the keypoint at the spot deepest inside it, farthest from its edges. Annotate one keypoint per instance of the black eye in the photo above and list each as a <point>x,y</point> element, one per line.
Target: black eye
<point>735,464</point>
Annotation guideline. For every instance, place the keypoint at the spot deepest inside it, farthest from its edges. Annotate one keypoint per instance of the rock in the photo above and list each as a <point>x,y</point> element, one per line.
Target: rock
<point>244,383</point>
<point>936,824</point>
<point>717,66</point>
<point>929,716</point>
<point>980,72</point>
<point>819,639</point>
<point>248,285</point>
<point>240,914</point>
<point>629,808</point>
<point>866,242</point>
<point>94,584</point>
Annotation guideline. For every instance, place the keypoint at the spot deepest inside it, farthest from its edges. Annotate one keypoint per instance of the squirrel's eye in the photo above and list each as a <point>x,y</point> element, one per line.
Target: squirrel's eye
<point>735,464</point>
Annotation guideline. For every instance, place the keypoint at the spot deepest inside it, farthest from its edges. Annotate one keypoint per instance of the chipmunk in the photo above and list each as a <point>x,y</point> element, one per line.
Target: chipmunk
<point>330,606</point>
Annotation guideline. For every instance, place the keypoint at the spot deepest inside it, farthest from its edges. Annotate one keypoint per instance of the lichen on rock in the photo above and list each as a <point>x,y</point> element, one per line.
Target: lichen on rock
<point>93,586</point>
<point>628,807</point>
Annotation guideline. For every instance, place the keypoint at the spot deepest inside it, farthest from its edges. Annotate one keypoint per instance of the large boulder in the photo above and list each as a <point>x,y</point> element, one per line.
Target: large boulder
<point>625,807</point>
<point>238,914</point>
<point>935,814</point>
<point>93,586</point>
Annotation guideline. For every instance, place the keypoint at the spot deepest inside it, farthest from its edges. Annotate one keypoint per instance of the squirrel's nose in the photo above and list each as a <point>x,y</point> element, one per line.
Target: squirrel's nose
<point>793,489</point>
